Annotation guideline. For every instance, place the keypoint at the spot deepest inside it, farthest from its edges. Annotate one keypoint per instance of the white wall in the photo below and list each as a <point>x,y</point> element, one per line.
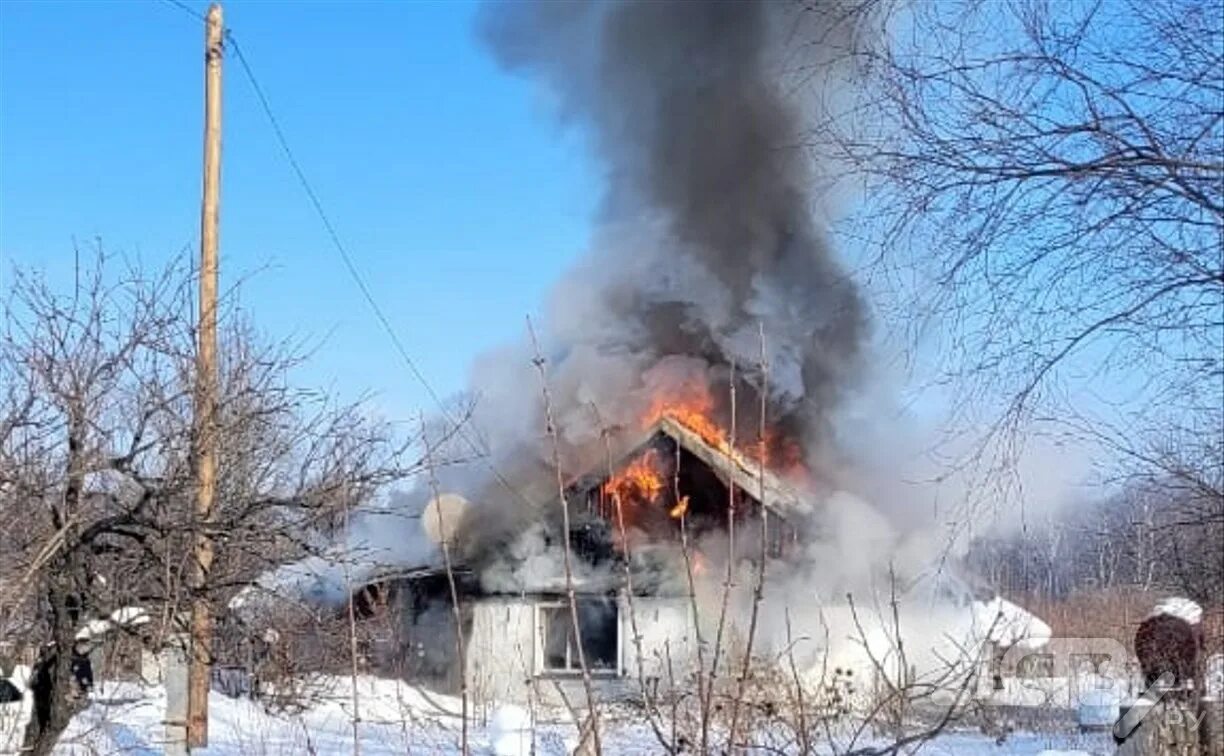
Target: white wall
<point>501,649</point>
<point>504,647</point>
<point>666,630</point>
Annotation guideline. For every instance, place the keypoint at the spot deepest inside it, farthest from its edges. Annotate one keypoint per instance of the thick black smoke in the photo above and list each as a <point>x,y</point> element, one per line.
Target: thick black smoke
<point>706,238</point>
<point>708,197</point>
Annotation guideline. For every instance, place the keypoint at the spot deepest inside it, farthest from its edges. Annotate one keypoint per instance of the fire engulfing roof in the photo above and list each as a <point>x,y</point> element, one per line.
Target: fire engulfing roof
<point>731,467</point>
<point>517,552</point>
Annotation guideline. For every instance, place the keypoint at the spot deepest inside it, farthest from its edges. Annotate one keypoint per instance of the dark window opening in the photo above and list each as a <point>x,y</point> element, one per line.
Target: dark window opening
<point>599,628</point>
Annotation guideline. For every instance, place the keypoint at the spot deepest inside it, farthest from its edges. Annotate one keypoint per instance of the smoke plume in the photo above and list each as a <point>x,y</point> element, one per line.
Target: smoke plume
<point>705,253</point>
<point>706,235</point>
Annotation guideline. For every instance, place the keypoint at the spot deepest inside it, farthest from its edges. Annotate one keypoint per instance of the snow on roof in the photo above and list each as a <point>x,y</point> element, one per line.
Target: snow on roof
<point>1009,624</point>
<point>993,617</point>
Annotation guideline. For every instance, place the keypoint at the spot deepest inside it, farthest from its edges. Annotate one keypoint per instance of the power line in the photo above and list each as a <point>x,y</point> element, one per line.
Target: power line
<point>327,224</point>
<point>349,265</point>
<point>187,9</point>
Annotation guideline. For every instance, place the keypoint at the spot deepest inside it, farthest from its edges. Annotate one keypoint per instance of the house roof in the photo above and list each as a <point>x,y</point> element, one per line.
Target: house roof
<point>732,467</point>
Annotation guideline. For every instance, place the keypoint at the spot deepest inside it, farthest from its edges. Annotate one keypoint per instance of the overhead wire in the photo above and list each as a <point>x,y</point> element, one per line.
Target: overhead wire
<point>186,9</point>
<point>349,265</point>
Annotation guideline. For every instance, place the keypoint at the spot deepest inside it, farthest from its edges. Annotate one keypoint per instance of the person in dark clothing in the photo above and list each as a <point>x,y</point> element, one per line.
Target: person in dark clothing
<point>42,680</point>
<point>82,670</point>
<point>1164,719</point>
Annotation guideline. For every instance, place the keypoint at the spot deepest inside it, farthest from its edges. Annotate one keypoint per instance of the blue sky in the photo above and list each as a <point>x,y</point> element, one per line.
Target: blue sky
<point>456,191</point>
<point>451,183</point>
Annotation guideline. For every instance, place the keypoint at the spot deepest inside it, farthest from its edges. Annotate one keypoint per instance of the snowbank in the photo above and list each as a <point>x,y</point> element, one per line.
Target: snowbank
<point>1008,624</point>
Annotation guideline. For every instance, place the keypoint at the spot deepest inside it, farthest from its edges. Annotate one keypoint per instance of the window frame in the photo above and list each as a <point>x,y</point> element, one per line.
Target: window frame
<point>573,668</point>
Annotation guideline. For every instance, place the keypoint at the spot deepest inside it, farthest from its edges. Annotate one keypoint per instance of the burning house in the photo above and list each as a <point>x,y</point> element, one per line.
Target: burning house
<point>675,478</point>
<point>654,531</point>
<point>709,279</point>
<point>639,530</point>
<point>472,588</point>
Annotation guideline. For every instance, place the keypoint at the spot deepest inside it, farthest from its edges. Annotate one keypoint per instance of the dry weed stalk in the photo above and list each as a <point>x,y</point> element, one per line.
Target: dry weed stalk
<point>352,638</point>
<point>902,696</point>
<point>728,578</point>
<point>804,737</point>
<point>649,698</point>
<point>703,691</point>
<point>567,560</point>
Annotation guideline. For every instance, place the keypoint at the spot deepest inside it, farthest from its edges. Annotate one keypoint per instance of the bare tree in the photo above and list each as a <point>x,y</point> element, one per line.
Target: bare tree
<point>1153,535</point>
<point>96,461</point>
<point>1046,181</point>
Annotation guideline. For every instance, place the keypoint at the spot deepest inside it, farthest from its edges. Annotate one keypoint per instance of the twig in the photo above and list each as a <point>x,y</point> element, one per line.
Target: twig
<point>758,592</point>
<point>352,628</point>
<point>729,575</point>
<point>444,536</point>
<point>648,700</point>
<point>703,692</point>
<point>805,745</point>
<point>551,428</point>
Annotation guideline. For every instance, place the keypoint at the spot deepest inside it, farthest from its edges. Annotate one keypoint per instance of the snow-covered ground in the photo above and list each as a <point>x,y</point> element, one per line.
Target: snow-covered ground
<point>395,718</point>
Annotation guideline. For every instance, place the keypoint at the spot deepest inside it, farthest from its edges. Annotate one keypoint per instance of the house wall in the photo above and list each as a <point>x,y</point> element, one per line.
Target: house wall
<point>505,647</point>
<point>666,629</point>
<point>420,646</point>
<point>501,649</point>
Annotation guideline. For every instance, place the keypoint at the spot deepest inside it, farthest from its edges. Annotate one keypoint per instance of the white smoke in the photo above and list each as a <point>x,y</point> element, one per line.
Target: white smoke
<point>381,538</point>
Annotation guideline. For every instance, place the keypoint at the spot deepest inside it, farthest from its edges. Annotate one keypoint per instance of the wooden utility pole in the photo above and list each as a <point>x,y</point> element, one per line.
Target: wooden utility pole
<point>206,392</point>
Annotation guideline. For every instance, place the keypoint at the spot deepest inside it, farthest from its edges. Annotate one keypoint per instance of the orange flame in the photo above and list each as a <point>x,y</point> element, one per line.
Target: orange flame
<point>693,406</point>
<point>693,410</point>
<point>640,481</point>
<point>644,481</point>
<point>680,509</point>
